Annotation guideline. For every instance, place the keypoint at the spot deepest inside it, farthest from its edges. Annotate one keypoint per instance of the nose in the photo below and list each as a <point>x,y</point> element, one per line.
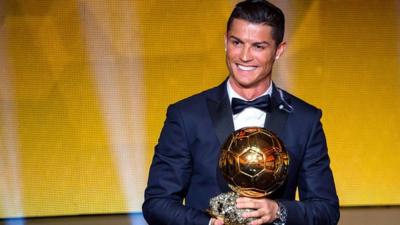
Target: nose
<point>246,54</point>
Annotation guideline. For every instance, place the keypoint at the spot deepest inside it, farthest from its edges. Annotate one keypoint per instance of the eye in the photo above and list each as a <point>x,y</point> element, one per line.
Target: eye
<point>235,42</point>
<point>259,47</point>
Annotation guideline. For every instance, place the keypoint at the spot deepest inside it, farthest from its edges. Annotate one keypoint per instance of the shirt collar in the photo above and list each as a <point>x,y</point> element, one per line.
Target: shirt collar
<point>233,94</point>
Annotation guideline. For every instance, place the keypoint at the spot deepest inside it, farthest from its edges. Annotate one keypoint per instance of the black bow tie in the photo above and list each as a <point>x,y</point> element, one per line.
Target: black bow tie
<point>261,103</point>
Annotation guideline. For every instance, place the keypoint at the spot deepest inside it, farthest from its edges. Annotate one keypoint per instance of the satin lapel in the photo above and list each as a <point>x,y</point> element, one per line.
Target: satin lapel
<point>221,115</point>
<point>275,120</point>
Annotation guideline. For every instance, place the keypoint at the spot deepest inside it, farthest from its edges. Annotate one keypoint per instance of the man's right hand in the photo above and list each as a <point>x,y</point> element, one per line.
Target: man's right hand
<point>216,221</point>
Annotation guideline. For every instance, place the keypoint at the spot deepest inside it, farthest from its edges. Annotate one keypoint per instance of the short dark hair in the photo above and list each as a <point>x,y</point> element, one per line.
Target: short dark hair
<point>260,12</point>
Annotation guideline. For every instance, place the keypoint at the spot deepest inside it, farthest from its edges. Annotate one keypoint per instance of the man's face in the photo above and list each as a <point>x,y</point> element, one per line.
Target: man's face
<point>250,54</point>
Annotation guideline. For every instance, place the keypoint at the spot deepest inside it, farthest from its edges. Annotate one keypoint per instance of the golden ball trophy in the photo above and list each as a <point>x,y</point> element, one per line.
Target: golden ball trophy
<point>254,163</point>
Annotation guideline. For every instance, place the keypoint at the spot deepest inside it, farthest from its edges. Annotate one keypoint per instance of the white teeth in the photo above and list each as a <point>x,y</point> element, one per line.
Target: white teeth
<point>246,68</point>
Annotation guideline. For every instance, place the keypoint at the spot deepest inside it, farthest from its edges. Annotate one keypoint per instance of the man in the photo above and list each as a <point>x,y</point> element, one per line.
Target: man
<point>184,174</point>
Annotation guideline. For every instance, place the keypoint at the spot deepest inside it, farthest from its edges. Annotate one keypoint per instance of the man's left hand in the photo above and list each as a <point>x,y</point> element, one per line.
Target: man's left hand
<point>264,209</point>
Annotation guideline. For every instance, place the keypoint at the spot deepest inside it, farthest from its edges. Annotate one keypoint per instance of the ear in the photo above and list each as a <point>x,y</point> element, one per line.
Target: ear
<point>279,51</point>
<point>225,42</point>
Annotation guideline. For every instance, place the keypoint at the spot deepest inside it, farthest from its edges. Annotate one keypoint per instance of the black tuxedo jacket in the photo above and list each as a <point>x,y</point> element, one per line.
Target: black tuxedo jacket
<point>184,175</point>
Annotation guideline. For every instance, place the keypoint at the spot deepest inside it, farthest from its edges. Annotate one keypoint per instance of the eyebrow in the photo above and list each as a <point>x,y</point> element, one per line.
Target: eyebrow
<point>255,43</point>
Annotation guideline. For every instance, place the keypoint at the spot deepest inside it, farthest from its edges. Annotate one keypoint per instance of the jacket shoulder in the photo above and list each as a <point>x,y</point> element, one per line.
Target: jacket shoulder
<point>198,100</point>
<point>298,103</point>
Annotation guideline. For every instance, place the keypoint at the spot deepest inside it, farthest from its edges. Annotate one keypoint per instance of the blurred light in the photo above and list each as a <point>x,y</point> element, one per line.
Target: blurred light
<point>114,53</point>
<point>10,187</point>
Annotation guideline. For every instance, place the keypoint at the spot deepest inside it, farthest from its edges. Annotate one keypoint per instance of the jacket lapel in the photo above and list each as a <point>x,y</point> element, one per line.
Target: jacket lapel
<point>275,120</point>
<point>221,115</point>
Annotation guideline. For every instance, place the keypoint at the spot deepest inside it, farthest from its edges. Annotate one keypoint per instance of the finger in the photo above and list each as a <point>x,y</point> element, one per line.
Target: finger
<point>219,222</point>
<point>248,205</point>
<point>251,199</point>
<point>252,214</point>
<point>215,221</point>
<point>262,218</point>
<point>244,199</point>
<point>257,222</point>
<point>247,200</point>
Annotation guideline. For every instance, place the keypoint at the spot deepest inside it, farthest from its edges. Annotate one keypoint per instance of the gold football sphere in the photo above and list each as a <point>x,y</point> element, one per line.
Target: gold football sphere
<point>254,162</point>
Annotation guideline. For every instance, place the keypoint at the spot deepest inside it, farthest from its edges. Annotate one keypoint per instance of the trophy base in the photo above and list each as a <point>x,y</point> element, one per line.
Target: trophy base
<point>223,206</point>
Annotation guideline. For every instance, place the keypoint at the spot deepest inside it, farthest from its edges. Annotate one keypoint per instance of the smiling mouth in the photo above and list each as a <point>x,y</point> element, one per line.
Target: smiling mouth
<point>246,68</point>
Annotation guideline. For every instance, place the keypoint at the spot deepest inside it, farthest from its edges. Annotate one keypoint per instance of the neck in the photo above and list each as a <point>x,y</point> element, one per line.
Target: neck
<point>250,93</point>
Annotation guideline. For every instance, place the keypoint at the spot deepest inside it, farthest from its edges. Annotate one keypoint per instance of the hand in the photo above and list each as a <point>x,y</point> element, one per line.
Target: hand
<point>216,221</point>
<point>264,209</point>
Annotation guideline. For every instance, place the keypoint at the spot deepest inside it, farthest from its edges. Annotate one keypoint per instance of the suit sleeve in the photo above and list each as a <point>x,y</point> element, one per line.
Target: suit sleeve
<point>319,204</point>
<point>169,176</point>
